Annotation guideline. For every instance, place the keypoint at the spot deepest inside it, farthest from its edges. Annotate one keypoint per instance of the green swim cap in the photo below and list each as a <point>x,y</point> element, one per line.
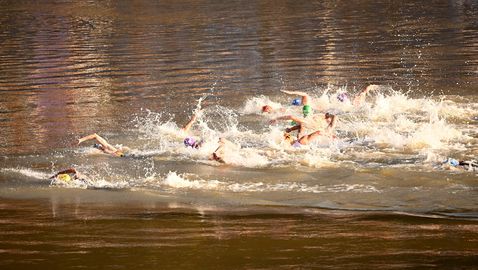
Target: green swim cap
<point>294,123</point>
<point>306,110</point>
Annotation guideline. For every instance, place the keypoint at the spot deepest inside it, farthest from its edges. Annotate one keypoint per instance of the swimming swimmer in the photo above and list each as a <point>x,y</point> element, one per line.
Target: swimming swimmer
<point>329,118</point>
<point>471,165</point>
<point>224,146</point>
<point>360,98</point>
<point>190,141</point>
<point>303,140</point>
<point>305,101</point>
<point>104,146</point>
<point>68,175</point>
<point>267,109</point>
<point>270,109</point>
<point>342,97</point>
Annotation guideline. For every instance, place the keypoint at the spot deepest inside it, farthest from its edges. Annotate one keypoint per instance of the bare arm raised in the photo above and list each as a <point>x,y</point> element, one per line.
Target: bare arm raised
<point>104,145</point>
<point>193,119</point>
<point>360,98</point>
<point>305,97</point>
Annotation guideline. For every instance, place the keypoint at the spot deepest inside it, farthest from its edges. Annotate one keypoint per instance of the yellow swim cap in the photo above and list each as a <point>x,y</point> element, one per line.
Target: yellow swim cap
<point>64,177</point>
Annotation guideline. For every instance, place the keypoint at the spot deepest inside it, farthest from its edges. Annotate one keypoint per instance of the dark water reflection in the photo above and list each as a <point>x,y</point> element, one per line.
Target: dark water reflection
<point>58,234</point>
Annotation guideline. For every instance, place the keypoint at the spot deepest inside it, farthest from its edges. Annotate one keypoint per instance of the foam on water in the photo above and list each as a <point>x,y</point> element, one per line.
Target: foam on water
<point>389,129</point>
<point>28,173</point>
<point>174,181</point>
<point>388,120</point>
<point>181,182</point>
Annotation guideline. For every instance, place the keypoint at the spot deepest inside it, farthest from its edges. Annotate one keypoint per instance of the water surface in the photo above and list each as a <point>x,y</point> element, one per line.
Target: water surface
<point>134,72</point>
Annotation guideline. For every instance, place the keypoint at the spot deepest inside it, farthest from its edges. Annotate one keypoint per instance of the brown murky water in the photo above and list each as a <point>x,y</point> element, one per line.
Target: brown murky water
<point>132,71</point>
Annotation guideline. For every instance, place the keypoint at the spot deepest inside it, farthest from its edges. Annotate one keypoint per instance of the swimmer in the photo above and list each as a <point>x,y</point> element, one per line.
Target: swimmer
<point>360,98</point>
<point>270,109</point>
<point>190,141</point>
<point>219,153</point>
<point>104,146</point>
<point>343,97</point>
<point>193,143</point>
<point>303,140</point>
<point>69,175</point>
<point>267,109</point>
<point>305,101</point>
<point>471,165</point>
<point>329,118</point>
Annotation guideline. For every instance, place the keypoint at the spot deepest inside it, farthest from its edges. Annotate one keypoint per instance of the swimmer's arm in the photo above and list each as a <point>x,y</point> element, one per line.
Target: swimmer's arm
<point>86,138</point>
<point>216,155</point>
<point>305,96</point>
<point>191,122</point>
<point>296,127</point>
<point>360,98</point>
<point>67,171</point>
<point>99,139</point>
<point>298,93</point>
<point>288,117</point>
<point>333,122</point>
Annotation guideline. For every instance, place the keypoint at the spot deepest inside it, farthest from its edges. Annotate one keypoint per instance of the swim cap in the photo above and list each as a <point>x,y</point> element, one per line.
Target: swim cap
<point>296,102</point>
<point>97,146</point>
<point>306,110</point>
<point>452,162</point>
<point>189,141</point>
<point>266,108</point>
<point>64,177</point>
<point>342,97</point>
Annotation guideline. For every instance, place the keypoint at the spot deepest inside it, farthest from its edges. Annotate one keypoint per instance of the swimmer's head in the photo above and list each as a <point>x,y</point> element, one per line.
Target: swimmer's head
<point>64,177</point>
<point>98,146</point>
<point>297,102</point>
<point>190,142</point>
<point>306,110</point>
<point>342,97</point>
<point>452,162</point>
<point>266,109</point>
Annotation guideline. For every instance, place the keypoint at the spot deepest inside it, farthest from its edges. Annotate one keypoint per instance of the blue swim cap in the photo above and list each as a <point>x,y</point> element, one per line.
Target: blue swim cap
<point>452,162</point>
<point>342,97</point>
<point>97,146</point>
<point>189,141</point>
<point>296,102</point>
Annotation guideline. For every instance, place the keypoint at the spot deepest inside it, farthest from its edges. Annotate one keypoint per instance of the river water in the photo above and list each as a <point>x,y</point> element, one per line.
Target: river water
<point>375,195</point>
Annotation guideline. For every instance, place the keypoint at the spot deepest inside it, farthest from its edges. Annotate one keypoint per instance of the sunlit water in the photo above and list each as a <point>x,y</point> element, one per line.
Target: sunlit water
<point>134,72</point>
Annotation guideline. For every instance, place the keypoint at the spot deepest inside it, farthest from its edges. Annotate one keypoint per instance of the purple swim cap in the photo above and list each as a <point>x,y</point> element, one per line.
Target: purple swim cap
<point>189,141</point>
<point>342,97</point>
